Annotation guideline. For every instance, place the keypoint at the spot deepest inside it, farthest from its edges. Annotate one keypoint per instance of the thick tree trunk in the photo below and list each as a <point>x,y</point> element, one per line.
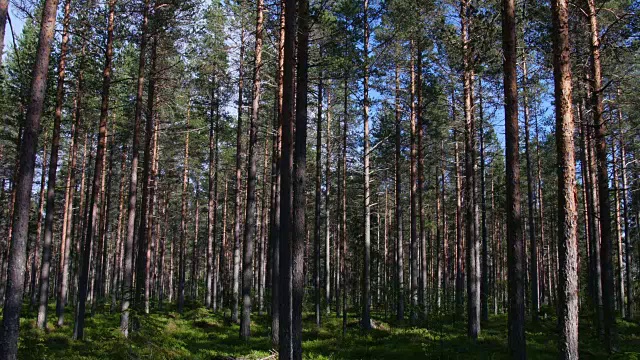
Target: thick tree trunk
<point>4,14</point>
<point>300,167</point>
<point>24,181</point>
<point>567,207</point>
<point>286,168</point>
<point>92,220</point>
<point>515,240</point>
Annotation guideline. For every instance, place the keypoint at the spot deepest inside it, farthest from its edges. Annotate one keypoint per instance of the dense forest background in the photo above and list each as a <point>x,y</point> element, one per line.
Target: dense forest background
<point>319,179</point>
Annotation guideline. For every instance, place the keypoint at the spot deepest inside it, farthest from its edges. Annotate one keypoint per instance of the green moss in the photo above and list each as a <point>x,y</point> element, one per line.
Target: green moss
<point>202,334</point>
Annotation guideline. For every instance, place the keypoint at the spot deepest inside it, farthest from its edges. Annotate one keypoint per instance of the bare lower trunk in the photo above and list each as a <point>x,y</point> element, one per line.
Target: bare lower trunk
<point>567,207</point>
<point>515,239</point>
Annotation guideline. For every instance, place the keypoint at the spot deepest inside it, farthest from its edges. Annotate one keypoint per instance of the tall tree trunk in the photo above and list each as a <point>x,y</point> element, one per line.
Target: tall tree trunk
<point>625,206</point>
<point>531,200</point>
<point>620,293</point>
<point>286,168</point>
<point>484,286</point>
<point>366,294</point>
<point>27,159</point>
<point>249,232</point>
<point>343,195</point>
<point>398,212</point>
<point>182,265</point>
<point>238,189</point>
<point>299,170</point>
<point>471,218</point>
<point>515,241</point>
<point>34,253</point>
<point>143,240</point>
<point>414,267</point>
<point>212,226</point>
<point>78,332</point>
<point>567,207</point>
<point>117,259</point>
<point>608,289</point>
<point>327,199</point>
<point>318,205</point>
<point>276,166</point>
<point>53,167</point>
<point>133,180</point>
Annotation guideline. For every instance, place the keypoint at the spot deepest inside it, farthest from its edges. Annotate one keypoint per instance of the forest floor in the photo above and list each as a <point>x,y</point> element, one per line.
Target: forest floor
<point>201,334</point>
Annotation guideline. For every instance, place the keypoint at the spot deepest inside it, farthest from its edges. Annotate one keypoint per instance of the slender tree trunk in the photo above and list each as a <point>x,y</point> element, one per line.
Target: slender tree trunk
<point>606,256</point>
<point>366,294</point>
<point>620,273</point>
<point>484,286</point>
<point>318,205</point>
<point>327,199</point>
<point>51,182</point>
<point>143,240</point>
<point>117,259</point>
<point>211,278</point>
<point>250,222</point>
<point>34,253</point>
<point>471,223</point>
<point>398,212</point>
<point>182,265</point>
<point>516,244</point>
<point>133,180</point>
<point>531,200</point>
<point>238,189</point>
<point>276,166</point>
<point>78,332</point>
<point>414,194</point>
<point>567,207</point>
<point>625,206</point>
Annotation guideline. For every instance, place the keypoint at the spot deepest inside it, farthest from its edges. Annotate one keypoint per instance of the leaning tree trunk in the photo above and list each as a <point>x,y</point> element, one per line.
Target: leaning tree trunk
<point>51,182</point>
<point>567,207</point>
<point>22,204</point>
